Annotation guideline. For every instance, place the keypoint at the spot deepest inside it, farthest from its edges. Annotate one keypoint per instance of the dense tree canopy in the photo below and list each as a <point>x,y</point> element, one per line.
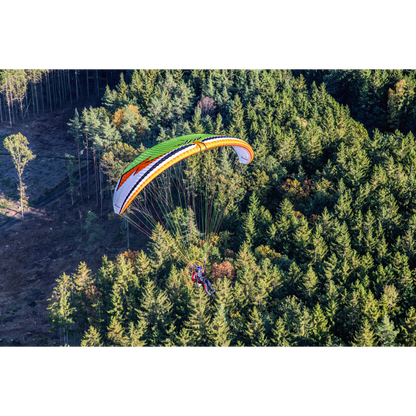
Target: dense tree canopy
<point>318,247</point>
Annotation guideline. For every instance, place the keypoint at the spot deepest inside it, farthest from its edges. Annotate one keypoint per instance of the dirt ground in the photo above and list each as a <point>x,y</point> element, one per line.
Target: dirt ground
<point>50,240</point>
<point>49,140</point>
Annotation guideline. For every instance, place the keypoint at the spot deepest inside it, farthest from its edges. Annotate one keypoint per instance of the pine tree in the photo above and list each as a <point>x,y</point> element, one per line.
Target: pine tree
<point>136,334</point>
<point>301,239</point>
<point>218,127</point>
<point>309,283</point>
<point>94,230</point>
<point>196,125</point>
<point>109,99</point>
<point>304,327</point>
<point>408,329</point>
<point>85,295</point>
<point>334,341</point>
<point>117,310</point>
<point>298,321</point>
<point>280,334</point>
<point>116,335</point>
<point>343,209</point>
<point>224,294</point>
<point>60,307</point>
<point>199,322</point>
<point>179,296</point>
<point>365,336</point>
<point>237,126</point>
<point>386,333</point>
<point>220,332</point>
<point>341,242</point>
<point>255,330</point>
<point>244,289</point>
<point>184,339</point>
<point>319,249</point>
<point>250,231</point>
<point>293,278</point>
<point>371,309</point>
<point>245,258</point>
<point>320,330</point>
<point>75,129</point>
<point>156,312</point>
<point>91,338</point>
<point>263,288</point>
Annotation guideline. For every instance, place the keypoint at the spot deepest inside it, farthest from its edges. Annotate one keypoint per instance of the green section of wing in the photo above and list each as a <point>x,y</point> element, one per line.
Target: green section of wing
<point>165,147</point>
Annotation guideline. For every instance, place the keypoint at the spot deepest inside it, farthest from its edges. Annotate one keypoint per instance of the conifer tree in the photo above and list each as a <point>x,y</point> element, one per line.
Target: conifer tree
<point>245,258</point>
<point>199,322</point>
<point>244,289</point>
<point>280,334</point>
<point>309,283</point>
<point>218,127</point>
<point>136,334</point>
<point>341,242</point>
<point>91,338</point>
<point>351,313</point>
<point>386,333</point>
<point>318,249</point>
<point>293,278</point>
<point>371,309</point>
<point>60,307</point>
<point>184,339</point>
<point>117,310</point>
<point>75,129</point>
<point>298,321</point>
<point>334,341</point>
<point>109,99</point>
<point>116,335</point>
<point>303,327</point>
<point>250,230</point>
<point>320,328</point>
<point>332,306</point>
<point>179,296</point>
<point>197,127</point>
<point>220,332</point>
<point>255,330</point>
<point>156,312</point>
<point>365,336</point>
<point>408,329</point>
<point>301,239</point>
<point>93,229</point>
<point>85,295</point>
<point>237,125</point>
<point>224,294</point>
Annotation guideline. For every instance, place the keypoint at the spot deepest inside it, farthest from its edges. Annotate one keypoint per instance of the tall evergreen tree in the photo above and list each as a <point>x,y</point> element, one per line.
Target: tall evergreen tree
<point>199,323</point>
<point>408,329</point>
<point>255,330</point>
<point>220,332</point>
<point>61,311</point>
<point>386,333</point>
<point>365,336</point>
<point>91,338</point>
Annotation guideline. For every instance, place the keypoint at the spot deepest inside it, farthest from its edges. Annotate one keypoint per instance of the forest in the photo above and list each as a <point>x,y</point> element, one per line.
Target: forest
<point>317,244</point>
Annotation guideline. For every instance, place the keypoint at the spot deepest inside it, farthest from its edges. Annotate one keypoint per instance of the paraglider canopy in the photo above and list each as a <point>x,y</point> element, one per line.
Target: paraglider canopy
<point>157,159</point>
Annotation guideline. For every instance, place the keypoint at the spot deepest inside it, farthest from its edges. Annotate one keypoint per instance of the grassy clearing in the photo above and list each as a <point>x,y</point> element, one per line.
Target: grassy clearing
<point>5,205</point>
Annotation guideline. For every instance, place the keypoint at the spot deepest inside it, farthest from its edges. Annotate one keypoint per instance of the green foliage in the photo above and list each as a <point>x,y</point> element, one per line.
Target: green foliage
<point>61,308</point>
<point>321,229</point>
<point>17,146</point>
<point>386,333</point>
<point>94,231</point>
